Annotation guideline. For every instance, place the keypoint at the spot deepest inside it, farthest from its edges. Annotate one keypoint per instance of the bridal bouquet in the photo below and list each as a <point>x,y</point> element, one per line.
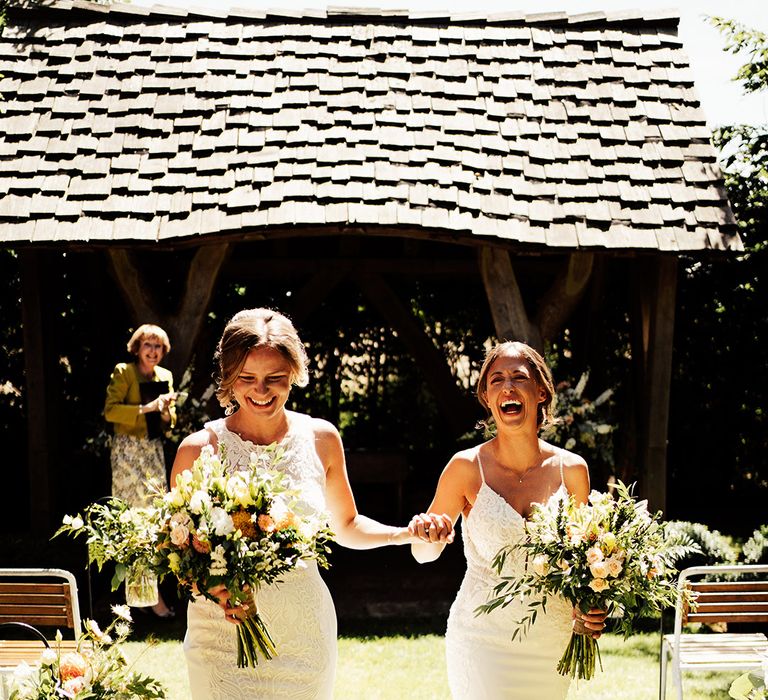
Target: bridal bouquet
<point>240,530</point>
<point>97,669</point>
<point>604,554</point>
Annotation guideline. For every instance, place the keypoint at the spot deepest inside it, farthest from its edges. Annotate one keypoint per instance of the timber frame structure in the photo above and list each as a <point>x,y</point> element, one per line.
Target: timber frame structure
<point>572,140</point>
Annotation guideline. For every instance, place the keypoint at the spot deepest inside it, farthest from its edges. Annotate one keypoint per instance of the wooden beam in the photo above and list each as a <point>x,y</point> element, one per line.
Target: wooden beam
<point>36,399</point>
<point>510,317</point>
<point>183,326</point>
<point>306,299</point>
<point>457,409</point>
<point>566,292</point>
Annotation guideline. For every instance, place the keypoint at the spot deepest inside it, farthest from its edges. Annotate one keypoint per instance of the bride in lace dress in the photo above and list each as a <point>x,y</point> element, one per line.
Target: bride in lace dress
<point>492,486</point>
<point>260,357</point>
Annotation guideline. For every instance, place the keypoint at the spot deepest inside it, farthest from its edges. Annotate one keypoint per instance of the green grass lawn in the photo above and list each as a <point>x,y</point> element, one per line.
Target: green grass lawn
<point>400,668</point>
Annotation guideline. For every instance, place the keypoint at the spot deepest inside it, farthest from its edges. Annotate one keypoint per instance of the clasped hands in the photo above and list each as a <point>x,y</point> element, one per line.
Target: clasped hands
<point>432,528</point>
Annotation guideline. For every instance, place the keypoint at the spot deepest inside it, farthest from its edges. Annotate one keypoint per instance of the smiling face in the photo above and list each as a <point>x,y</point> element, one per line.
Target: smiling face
<point>264,383</point>
<point>512,393</point>
<point>151,350</point>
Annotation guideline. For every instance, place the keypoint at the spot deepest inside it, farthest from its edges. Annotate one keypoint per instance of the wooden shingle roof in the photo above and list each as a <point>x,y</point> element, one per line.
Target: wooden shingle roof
<point>122,122</point>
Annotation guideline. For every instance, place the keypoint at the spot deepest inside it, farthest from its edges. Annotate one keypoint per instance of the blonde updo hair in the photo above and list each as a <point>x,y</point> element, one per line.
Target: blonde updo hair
<point>256,328</point>
<point>537,365</point>
<point>148,331</point>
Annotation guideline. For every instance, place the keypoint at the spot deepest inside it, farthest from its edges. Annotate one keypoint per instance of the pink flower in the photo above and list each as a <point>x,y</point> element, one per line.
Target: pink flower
<point>265,523</point>
<point>72,666</point>
<point>73,686</point>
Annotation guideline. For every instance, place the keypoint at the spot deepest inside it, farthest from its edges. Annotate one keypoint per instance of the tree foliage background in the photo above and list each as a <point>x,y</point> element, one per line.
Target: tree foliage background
<point>719,421</point>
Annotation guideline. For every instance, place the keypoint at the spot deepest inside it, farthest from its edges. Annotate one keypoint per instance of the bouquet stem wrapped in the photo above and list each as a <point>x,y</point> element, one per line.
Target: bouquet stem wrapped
<point>253,638</point>
<point>578,660</point>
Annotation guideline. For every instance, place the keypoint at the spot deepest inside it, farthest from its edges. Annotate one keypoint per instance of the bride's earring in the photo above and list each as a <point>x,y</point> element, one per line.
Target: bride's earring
<point>231,406</point>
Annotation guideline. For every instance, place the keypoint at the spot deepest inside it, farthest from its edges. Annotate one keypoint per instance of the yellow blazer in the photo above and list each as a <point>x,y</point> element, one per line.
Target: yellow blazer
<point>123,399</point>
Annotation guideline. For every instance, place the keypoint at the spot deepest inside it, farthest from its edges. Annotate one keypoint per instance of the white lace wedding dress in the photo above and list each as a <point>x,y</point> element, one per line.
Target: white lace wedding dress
<point>483,661</point>
<point>298,612</point>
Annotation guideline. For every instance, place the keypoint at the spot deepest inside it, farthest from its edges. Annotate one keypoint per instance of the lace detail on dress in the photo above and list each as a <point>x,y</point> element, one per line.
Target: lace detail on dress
<point>483,661</point>
<point>298,611</point>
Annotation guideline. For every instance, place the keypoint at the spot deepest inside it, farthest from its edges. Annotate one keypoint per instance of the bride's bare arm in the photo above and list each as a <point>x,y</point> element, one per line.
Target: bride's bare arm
<point>350,527</point>
<point>449,501</point>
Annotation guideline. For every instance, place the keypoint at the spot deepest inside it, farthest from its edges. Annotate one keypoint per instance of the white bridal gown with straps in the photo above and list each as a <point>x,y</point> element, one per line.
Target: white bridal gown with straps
<point>298,612</point>
<point>483,661</point>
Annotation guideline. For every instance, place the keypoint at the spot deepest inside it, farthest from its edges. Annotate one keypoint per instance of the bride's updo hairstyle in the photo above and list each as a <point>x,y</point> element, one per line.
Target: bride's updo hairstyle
<point>538,367</point>
<point>250,329</point>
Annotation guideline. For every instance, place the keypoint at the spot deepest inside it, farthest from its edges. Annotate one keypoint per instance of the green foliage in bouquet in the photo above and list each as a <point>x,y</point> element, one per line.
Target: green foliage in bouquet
<point>115,532</point>
<point>96,670</point>
<point>605,554</point>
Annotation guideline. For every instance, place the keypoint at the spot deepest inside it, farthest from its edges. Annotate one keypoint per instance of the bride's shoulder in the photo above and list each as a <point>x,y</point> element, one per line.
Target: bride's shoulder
<point>463,463</point>
<point>196,441</point>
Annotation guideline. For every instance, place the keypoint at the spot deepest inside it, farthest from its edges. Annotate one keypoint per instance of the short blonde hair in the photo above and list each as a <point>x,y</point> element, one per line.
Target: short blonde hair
<point>148,330</point>
<point>537,365</point>
<point>256,328</point>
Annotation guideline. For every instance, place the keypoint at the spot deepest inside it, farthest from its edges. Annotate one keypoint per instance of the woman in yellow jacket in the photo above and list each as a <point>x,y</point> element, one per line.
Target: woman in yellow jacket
<point>140,406</point>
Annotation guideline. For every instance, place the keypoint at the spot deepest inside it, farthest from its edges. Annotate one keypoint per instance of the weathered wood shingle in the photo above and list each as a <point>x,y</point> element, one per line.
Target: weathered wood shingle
<point>121,122</point>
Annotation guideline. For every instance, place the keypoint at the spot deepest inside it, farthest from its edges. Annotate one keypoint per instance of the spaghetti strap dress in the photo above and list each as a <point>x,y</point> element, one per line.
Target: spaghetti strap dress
<point>298,611</point>
<point>483,661</point>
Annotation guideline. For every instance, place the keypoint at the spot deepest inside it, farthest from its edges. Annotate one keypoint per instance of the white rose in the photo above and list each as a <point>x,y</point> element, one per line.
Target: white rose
<point>594,554</point>
<point>540,565</point>
<point>598,584</point>
<point>614,566</point>
<point>278,511</point>
<point>174,498</point>
<point>221,522</point>
<point>179,534</point>
<point>199,500</point>
<point>77,522</point>
<point>48,656</point>
<point>599,569</point>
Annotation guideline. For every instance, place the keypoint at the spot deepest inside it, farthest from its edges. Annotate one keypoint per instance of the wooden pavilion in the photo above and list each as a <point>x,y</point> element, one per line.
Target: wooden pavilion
<point>352,145</point>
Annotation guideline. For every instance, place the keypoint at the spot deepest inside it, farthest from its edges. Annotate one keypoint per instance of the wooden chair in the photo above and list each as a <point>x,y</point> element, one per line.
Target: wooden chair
<point>717,601</point>
<point>40,598</point>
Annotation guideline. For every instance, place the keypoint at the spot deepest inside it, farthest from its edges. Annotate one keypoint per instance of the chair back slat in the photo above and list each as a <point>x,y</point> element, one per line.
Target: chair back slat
<point>38,603</point>
<point>730,586</point>
<point>728,601</point>
<point>735,617</point>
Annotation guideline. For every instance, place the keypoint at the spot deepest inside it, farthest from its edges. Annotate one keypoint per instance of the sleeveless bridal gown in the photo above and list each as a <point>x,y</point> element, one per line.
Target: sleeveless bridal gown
<point>298,611</point>
<point>483,661</point>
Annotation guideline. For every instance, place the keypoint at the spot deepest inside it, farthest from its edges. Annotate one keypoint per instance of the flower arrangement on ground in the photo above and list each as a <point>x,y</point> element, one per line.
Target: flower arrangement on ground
<point>609,554</point>
<point>97,669</point>
<point>241,530</point>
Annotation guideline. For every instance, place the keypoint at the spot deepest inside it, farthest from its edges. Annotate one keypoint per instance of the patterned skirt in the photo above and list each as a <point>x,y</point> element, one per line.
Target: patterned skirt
<point>134,462</point>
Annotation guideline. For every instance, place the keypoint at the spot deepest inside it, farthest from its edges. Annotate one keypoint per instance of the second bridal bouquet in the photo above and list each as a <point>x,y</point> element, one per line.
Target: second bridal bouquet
<point>241,530</point>
<point>608,554</point>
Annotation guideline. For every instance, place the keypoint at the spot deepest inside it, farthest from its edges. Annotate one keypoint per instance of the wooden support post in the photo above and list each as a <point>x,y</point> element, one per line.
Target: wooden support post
<point>510,318</point>
<point>36,399</point>
<point>654,340</point>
